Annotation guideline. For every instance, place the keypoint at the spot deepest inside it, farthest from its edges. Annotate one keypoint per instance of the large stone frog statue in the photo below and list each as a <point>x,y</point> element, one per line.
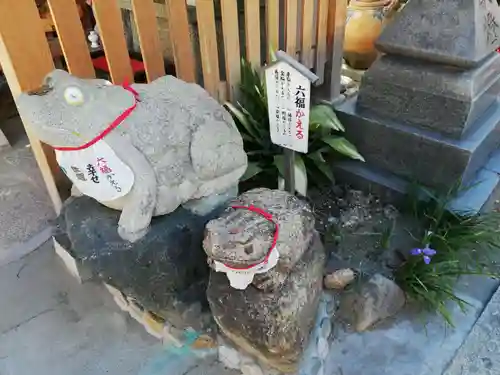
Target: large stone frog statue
<point>166,143</point>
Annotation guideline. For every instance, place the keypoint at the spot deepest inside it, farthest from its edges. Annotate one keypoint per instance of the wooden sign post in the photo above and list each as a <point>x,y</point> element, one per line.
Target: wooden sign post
<point>288,85</point>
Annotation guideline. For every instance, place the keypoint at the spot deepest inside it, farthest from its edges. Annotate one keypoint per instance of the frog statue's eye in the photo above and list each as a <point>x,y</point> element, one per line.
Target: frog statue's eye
<point>73,96</point>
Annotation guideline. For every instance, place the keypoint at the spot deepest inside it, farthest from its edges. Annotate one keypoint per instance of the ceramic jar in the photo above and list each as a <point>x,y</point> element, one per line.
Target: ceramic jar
<point>365,22</point>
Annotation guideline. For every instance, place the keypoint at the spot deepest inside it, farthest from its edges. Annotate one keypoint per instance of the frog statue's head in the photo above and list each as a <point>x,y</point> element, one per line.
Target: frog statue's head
<point>238,238</point>
<point>67,111</point>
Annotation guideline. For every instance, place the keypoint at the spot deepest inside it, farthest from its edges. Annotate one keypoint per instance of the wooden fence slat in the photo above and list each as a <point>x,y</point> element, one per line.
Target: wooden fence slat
<point>72,37</point>
<point>307,33</point>
<point>272,25</point>
<point>337,16</point>
<point>181,40</point>
<point>149,39</point>
<point>230,30</point>
<point>25,59</point>
<point>110,24</point>
<point>208,46</point>
<point>223,92</point>
<point>252,32</point>
<point>292,7</point>
<point>321,39</point>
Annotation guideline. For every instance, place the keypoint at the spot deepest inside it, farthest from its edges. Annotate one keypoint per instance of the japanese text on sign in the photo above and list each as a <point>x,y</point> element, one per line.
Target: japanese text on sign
<point>289,97</point>
<point>97,172</point>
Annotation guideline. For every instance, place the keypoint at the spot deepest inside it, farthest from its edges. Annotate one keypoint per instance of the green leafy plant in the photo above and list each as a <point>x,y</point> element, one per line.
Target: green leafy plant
<point>266,161</point>
<point>453,245</point>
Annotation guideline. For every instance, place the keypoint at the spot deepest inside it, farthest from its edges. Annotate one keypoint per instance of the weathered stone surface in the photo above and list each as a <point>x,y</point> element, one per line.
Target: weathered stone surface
<point>430,96</point>
<point>419,155</point>
<point>241,238</point>
<point>166,271</point>
<point>313,359</point>
<point>377,299</point>
<point>339,279</point>
<point>273,326</point>
<point>483,190</point>
<point>179,142</point>
<point>480,353</point>
<point>454,32</point>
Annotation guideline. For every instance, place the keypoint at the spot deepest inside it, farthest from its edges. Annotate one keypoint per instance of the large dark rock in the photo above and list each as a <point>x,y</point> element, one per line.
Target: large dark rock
<point>273,326</point>
<point>166,271</point>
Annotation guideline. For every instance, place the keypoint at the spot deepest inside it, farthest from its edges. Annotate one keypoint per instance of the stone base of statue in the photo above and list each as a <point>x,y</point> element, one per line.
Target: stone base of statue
<point>270,317</point>
<point>428,109</point>
<point>165,272</point>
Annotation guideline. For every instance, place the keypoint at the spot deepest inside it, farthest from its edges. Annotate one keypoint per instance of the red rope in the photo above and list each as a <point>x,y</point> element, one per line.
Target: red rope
<point>110,128</point>
<point>269,218</point>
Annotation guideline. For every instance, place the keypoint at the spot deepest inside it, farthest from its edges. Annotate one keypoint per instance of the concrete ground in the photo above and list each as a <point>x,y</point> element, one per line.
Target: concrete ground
<point>25,207</point>
<point>51,325</point>
<point>480,353</point>
<point>412,343</point>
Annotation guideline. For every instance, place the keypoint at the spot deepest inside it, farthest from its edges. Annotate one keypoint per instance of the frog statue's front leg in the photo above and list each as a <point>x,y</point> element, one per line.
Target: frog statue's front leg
<point>140,202</point>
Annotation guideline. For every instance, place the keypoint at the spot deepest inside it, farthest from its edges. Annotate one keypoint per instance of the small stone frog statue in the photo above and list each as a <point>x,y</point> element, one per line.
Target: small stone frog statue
<point>144,149</point>
<point>266,280</point>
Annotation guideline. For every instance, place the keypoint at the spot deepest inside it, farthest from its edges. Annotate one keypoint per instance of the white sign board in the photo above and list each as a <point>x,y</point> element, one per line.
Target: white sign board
<point>97,172</point>
<point>288,99</point>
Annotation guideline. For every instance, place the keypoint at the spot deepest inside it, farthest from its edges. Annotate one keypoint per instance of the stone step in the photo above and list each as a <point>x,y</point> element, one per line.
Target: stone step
<point>430,96</point>
<point>483,190</point>
<point>416,154</point>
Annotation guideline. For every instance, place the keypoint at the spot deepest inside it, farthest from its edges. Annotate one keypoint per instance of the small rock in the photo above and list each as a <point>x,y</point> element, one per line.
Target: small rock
<point>390,212</point>
<point>339,279</point>
<point>251,369</point>
<point>351,91</point>
<point>229,357</point>
<point>204,342</point>
<point>333,220</point>
<point>347,81</point>
<point>378,299</point>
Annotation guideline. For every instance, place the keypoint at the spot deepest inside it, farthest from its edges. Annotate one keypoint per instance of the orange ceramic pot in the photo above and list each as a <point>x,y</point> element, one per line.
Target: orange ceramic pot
<point>365,22</point>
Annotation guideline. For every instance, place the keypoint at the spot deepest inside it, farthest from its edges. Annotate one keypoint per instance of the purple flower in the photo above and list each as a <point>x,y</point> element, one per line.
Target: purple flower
<point>426,253</point>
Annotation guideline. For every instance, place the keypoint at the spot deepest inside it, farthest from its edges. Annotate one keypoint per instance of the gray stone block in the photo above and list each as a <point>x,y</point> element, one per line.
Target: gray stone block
<point>479,195</point>
<point>453,32</point>
<point>420,155</point>
<point>430,96</point>
<point>388,187</point>
<point>485,188</point>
